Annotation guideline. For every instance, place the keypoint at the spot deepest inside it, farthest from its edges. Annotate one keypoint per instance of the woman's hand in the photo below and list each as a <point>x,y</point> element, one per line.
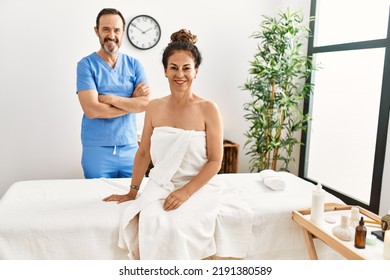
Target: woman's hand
<point>175,199</point>
<point>120,197</point>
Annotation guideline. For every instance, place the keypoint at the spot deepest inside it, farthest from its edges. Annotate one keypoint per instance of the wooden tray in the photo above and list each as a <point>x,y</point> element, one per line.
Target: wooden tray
<point>311,231</point>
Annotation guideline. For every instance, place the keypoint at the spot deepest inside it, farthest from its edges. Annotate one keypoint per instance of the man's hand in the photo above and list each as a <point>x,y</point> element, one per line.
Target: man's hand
<point>135,104</point>
<point>141,89</point>
<point>106,98</point>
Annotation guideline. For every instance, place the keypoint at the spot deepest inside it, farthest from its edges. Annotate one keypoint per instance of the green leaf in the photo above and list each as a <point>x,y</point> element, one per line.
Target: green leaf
<point>279,81</point>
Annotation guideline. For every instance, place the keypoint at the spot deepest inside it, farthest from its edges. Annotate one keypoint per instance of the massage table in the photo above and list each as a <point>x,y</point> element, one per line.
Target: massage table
<point>67,219</point>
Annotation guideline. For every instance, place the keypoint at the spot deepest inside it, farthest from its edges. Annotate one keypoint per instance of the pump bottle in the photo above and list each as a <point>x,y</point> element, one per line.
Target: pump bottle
<point>318,205</point>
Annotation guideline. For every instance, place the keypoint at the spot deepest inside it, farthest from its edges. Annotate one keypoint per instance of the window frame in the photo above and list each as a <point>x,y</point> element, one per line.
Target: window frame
<point>383,117</point>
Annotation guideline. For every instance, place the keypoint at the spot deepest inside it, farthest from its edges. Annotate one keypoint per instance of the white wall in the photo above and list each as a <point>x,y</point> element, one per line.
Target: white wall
<point>43,40</point>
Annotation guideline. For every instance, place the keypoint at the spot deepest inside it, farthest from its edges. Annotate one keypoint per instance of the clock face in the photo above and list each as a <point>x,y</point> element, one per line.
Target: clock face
<point>143,32</point>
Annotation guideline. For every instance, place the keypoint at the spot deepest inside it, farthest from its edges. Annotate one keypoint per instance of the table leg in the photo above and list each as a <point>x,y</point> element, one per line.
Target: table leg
<point>310,245</point>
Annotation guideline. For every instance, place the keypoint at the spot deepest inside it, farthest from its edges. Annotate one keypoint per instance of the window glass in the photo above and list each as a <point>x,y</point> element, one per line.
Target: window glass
<point>341,139</point>
<point>350,21</point>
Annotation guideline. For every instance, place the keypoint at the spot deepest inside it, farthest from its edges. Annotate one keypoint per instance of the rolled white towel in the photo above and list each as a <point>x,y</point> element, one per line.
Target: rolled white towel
<point>268,173</point>
<point>273,180</point>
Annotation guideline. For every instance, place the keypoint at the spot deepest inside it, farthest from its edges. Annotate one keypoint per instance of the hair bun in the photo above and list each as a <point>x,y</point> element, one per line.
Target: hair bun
<point>184,35</point>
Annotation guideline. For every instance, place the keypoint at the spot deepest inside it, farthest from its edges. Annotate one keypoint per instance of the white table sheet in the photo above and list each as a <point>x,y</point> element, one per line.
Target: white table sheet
<point>67,219</point>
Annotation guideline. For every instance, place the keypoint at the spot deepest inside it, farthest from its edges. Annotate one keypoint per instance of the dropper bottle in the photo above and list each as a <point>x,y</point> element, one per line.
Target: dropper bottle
<point>360,235</point>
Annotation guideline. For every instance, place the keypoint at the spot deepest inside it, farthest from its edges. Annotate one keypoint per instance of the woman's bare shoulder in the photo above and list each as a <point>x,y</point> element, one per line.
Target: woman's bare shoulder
<point>207,104</point>
<point>157,101</point>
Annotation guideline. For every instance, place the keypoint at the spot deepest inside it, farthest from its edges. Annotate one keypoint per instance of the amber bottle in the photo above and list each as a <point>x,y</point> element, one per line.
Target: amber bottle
<point>360,235</point>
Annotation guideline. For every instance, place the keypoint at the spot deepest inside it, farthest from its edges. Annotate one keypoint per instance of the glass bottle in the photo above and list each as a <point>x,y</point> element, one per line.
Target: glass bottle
<point>360,235</point>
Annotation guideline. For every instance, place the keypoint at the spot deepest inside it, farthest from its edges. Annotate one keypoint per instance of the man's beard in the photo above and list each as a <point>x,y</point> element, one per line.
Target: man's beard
<point>110,50</point>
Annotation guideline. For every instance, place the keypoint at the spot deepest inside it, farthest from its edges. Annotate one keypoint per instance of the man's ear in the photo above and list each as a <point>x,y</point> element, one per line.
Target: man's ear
<point>96,31</point>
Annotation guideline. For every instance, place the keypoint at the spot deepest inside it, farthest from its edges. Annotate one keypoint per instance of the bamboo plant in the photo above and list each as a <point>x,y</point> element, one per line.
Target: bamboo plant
<point>279,82</point>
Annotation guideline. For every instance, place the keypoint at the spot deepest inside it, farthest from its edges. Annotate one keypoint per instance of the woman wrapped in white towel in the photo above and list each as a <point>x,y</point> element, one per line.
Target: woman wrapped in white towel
<point>174,215</point>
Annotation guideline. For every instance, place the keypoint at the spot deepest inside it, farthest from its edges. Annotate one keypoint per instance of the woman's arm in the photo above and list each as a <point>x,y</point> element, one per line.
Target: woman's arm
<point>142,157</point>
<point>141,161</point>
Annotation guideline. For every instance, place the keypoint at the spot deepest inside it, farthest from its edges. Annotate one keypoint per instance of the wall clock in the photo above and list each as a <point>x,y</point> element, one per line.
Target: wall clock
<point>143,32</point>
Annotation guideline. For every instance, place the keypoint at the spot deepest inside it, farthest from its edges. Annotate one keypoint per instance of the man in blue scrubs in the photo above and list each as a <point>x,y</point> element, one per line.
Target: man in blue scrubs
<point>112,87</point>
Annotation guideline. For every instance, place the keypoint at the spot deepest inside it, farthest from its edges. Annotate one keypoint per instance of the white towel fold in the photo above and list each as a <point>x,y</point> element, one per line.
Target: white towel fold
<point>273,180</point>
<point>275,183</point>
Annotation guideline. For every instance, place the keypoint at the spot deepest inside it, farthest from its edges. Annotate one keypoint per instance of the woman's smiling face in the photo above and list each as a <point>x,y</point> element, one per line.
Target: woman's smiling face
<point>181,70</point>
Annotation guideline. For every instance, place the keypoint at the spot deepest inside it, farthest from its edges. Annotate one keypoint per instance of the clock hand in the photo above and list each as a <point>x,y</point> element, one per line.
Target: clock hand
<point>137,27</point>
<point>147,30</point>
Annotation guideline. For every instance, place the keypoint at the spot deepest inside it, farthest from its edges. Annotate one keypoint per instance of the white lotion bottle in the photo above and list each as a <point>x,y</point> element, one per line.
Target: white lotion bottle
<point>318,205</point>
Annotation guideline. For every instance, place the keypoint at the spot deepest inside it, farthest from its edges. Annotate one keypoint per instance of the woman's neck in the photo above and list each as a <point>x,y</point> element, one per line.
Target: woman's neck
<point>182,97</point>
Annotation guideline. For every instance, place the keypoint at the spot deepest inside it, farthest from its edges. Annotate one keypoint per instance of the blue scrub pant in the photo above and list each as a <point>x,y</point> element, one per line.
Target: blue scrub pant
<point>108,161</point>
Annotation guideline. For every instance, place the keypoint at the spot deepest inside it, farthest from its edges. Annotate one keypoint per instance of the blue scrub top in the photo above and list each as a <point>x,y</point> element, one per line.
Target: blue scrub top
<point>93,73</point>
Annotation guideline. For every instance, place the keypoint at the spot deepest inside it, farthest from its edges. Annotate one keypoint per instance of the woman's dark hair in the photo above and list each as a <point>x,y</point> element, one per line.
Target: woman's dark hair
<point>109,11</point>
<point>182,40</point>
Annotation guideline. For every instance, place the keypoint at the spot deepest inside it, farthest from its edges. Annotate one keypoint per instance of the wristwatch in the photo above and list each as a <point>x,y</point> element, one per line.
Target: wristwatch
<point>134,187</point>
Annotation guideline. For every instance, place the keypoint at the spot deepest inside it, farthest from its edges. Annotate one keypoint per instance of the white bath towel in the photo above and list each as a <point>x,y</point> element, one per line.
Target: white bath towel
<point>187,232</point>
<point>272,180</point>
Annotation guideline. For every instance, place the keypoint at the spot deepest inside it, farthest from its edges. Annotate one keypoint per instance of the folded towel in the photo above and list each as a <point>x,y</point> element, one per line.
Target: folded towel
<point>275,183</point>
<point>272,180</point>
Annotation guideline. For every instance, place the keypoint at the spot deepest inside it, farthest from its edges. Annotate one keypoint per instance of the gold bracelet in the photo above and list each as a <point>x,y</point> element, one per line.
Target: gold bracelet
<point>134,187</point>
